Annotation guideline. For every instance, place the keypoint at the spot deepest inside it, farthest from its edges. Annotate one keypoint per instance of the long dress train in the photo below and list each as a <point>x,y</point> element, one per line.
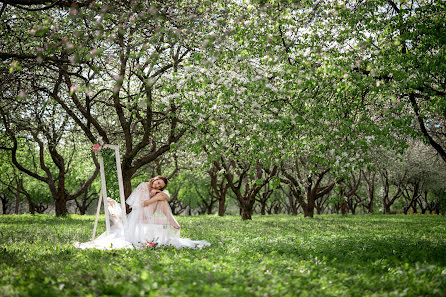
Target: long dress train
<point>115,239</point>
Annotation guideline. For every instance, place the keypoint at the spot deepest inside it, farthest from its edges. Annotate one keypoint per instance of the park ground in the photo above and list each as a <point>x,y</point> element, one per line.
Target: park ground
<point>277,255</point>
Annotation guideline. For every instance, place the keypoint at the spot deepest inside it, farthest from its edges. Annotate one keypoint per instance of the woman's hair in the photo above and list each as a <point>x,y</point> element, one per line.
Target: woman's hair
<point>163,178</point>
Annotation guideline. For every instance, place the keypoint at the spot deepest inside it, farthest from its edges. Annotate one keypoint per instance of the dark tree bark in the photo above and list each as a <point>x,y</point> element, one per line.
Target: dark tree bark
<point>293,195</point>
<point>312,186</point>
<point>263,198</point>
<point>244,186</point>
<point>277,208</point>
<point>347,191</point>
<point>436,145</point>
<point>219,188</point>
<point>17,203</point>
<point>320,204</point>
<point>85,201</point>
<point>4,199</point>
<point>8,195</point>
<point>315,191</point>
<point>411,193</point>
<point>16,186</point>
<point>387,201</point>
<point>36,5</point>
<point>369,178</point>
<point>427,205</point>
<point>207,202</point>
<point>176,205</point>
<point>354,202</point>
<point>336,208</point>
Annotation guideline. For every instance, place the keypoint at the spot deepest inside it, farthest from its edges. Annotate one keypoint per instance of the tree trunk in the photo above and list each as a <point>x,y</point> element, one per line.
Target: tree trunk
<point>246,207</point>
<point>220,188</point>
<point>370,182</point>
<point>221,191</point>
<point>61,205</point>
<point>293,204</point>
<point>209,209</point>
<point>263,208</point>
<point>336,208</point>
<point>4,205</point>
<point>293,198</point>
<point>308,211</point>
<point>248,197</point>
<point>436,145</point>
<point>61,208</point>
<point>127,182</point>
<point>411,201</point>
<point>311,199</point>
<point>370,196</point>
<point>405,210</point>
<point>343,205</point>
<point>246,213</point>
<point>221,206</point>
<point>309,206</point>
<point>17,202</point>
<point>386,188</point>
<point>31,207</point>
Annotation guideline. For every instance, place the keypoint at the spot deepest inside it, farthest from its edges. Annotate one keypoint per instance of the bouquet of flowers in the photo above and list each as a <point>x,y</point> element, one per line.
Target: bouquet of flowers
<point>97,147</point>
<point>149,244</point>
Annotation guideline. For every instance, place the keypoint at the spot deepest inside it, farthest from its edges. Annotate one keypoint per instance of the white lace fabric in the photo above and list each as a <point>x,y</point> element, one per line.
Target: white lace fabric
<point>152,224</point>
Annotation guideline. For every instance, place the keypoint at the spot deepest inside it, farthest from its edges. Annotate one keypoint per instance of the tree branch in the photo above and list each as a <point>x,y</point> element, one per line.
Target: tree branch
<point>432,142</point>
<point>6,56</point>
<point>397,10</point>
<point>22,4</point>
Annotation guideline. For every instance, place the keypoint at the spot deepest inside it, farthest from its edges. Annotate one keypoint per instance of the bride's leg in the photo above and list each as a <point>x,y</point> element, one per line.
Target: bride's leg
<point>165,209</point>
<point>152,208</point>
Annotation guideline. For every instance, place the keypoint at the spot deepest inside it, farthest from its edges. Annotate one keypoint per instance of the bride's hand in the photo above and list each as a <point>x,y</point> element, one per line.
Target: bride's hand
<point>151,182</point>
<point>154,192</point>
<point>158,197</point>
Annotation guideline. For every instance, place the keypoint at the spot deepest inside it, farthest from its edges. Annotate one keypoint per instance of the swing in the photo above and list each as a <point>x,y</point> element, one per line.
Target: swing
<point>103,192</point>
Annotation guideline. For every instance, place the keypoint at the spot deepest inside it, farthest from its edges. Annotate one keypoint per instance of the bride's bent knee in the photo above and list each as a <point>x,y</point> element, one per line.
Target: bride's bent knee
<point>163,203</point>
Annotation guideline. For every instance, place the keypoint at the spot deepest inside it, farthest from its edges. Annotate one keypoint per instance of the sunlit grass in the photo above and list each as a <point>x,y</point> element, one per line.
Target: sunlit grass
<point>268,256</point>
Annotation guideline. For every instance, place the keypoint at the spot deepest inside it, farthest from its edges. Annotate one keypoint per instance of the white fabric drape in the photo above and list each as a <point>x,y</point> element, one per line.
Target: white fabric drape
<point>152,224</point>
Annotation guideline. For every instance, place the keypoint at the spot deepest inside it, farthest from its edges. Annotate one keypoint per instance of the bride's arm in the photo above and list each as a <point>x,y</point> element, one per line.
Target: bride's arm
<point>158,197</point>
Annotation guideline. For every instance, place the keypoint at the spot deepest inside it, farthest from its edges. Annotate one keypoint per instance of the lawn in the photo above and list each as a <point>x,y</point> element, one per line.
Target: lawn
<point>277,255</point>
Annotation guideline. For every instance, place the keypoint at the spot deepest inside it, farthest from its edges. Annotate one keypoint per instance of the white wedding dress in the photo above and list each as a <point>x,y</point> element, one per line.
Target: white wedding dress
<point>145,226</point>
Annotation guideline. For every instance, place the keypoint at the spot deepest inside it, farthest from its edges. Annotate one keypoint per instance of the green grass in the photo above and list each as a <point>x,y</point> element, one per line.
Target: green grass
<point>275,255</point>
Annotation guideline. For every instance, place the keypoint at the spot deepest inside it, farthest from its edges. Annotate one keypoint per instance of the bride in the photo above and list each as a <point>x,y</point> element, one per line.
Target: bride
<point>149,223</point>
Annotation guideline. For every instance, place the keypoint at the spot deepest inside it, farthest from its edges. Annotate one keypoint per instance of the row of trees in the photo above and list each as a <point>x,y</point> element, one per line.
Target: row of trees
<point>390,183</point>
<point>412,182</point>
<point>262,94</point>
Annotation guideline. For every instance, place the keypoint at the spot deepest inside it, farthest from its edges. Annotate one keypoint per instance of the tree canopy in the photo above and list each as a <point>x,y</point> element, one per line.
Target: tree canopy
<point>264,93</point>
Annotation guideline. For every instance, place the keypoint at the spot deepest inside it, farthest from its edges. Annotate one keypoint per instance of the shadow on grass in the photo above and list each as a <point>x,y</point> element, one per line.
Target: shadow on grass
<point>364,250</point>
<point>45,219</point>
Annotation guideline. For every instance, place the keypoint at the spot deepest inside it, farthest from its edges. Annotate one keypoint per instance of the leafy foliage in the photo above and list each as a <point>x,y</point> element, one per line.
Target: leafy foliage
<point>111,177</point>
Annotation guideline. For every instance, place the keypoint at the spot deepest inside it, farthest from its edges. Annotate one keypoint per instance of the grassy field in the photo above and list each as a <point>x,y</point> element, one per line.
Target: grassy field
<point>276,255</point>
